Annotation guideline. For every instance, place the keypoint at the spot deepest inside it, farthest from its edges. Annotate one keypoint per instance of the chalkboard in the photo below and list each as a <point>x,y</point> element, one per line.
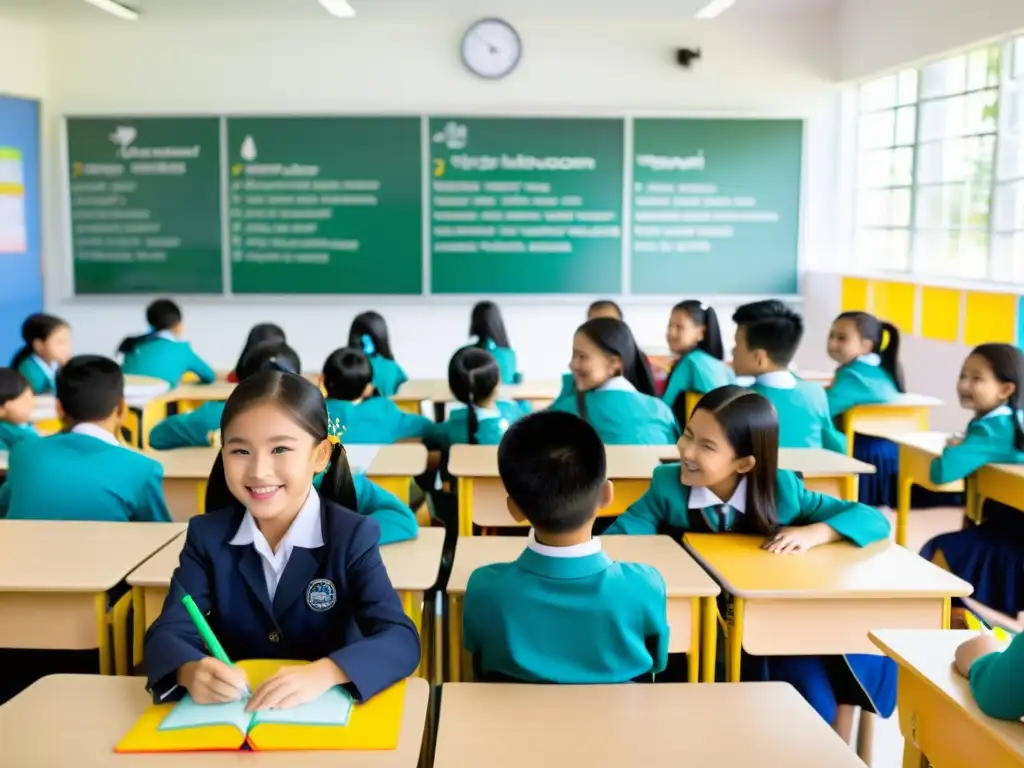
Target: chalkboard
<point>715,206</point>
<point>526,205</point>
<point>145,205</point>
<point>325,205</point>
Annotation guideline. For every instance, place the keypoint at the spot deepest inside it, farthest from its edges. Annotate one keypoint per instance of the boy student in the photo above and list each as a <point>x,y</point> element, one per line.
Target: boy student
<point>767,336</point>
<point>547,616</point>
<point>83,473</point>
<point>162,353</point>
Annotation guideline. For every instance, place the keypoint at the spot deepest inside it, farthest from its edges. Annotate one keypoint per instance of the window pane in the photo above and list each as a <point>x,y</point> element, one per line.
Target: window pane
<point>878,94</point>
<point>983,68</point>
<point>907,87</point>
<point>1011,156</point>
<point>886,249</point>
<point>952,206</point>
<point>982,111</point>
<point>956,160</point>
<point>906,125</point>
<point>1013,103</point>
<point>878,129</point>
<point>885,167</point>
<point>873,208</point>
<point>952,254</point>
<point>943,118</point>
<point>1009,207</point>
<point>899,208</point>
<point>945,77</point>
<point>1008,258</point>
<point>1018,57</point>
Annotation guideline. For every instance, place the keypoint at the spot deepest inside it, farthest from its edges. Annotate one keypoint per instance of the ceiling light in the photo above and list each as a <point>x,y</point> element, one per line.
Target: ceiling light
<point>339,8</point>
<point>715,8</point>
<point>121,11</point>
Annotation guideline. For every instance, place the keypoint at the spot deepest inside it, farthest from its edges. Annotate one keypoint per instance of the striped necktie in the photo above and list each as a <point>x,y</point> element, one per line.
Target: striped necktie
<point>720,518</point>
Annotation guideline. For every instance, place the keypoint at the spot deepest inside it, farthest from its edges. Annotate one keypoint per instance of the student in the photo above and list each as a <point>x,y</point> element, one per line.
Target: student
<point>16,402</point>
<point>996,673</point>
<point>867,351</point>
<point>694,336</point>
<point>201,426</point>
<point>99,479</point>
<point>283,572</point>
<point>161,353</point>
<point>613,388</point>
<point>369,333</point>
<point>604,308</point>
<point>546,616</point>
<point>259,335</point>
<point>767,336</point>
<point>990,555</point>
<point>47,347</point>
<point>487,330</point>
<point>348,380</point>
<point>728,481</point>
<point>474,378</point>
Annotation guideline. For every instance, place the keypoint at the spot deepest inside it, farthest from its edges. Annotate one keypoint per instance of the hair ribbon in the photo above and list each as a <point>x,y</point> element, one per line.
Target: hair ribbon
<point>368,346</point>
<point>335,430</point>
<point>886,338</point>
<point>491,345</point>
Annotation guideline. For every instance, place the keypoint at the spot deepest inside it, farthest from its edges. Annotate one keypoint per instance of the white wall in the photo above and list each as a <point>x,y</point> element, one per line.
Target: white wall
<point>24,66</point>
<point>410,64</point>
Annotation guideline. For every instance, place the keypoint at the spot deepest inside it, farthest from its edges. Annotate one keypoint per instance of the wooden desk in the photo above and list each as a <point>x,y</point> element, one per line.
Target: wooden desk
<point>917,450</point>
<point>1000,482</point>
<point>54,578</point>
<point>908,413</point>
<point>436,391</point>
<point>824,601</point>
<point>939,718</point>
<point>687,585</point>
<point>767,725</point>
<point>76,720</point>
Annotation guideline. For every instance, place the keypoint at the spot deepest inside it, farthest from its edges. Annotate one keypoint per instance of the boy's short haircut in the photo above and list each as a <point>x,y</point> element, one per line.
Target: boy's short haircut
<point>163,314</point>
<point>553,467</point>
<point>90,388</point>
<point>12,385</point>
<point>772,326</point>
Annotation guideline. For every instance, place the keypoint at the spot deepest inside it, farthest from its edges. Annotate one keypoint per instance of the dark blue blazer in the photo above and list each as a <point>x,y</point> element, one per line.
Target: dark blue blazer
<point>362,629</point>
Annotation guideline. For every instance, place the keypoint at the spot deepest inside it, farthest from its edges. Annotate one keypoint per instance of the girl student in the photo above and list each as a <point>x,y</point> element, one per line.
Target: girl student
<point>259,335</point>
<point>283,571</point>
<point>16,401</point>
<point>47,347</point>
<point>162,353</point>
<point>728,481</point>
<point>989,555</point>
<point>613,388</point>
<point>369,332</point>
<point>694,336</point>
<point>487,329</point>
<point>348,381</point>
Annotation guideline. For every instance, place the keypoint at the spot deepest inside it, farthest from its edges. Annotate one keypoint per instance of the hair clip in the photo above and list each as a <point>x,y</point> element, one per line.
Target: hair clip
<point>885,340</point>
<point>368,346</point>
<point>335,430</point>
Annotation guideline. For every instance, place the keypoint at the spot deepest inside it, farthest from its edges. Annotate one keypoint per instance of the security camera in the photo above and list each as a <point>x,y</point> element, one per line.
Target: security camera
<point>686,56</point>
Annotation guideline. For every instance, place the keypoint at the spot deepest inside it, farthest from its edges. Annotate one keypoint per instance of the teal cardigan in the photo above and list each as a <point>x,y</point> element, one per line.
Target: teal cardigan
<point>397,522</point>
<point>805,420</point>
<point>42,379</point>
<point>188,430</point>
<point>490,429</point>
<point>377,420</point>
<point>167,359</point>
<point>624,417</point>
<point>666,505</point>
<point>860,383</point>
<point>997,682</point>
<point>388,375</point>
<point>697,372</point>
<point>989,440</point>
<point>12,434</point>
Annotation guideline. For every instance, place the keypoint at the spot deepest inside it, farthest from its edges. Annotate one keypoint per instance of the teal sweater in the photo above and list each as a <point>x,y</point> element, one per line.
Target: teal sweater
<point>376,421</point>
<point>388,375</point>
<point>12,434</point>
<point>490,427</point>
<point>997,682</point>
<point>989,440</point>
<point>666,505</point>
<point>40,377</point>
<point>697,372</point>
<point>167,359</point>
<point>188,430</point>
<point>804,417</point>
<point>624,417</point>
<point>397,522</point>
<point>859,383</point>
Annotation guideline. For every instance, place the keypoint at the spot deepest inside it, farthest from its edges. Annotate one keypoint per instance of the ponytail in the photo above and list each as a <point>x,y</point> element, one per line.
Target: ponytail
<point>472,420</point>
<point>337,484</point>
<point>712,341</point>
<point>130,343</point>
<point>889,352</point>
<point>581,404</point>
<point>217,494</point>
<point>21,356</point>
<point>473,376</point>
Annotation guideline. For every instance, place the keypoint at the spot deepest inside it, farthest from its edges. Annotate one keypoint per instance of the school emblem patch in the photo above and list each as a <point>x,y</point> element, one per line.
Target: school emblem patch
<point>321,595</point>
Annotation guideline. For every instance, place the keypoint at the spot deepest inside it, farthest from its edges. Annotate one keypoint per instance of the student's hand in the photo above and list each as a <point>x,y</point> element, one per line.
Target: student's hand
<point>955,439</point>
<point>292,686</point>
<point>791,540</point>
<point>209,681</point>
<point>972,650</point>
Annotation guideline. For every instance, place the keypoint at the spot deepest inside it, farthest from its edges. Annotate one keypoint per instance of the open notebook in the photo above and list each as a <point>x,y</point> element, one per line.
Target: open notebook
<point>332,722</point>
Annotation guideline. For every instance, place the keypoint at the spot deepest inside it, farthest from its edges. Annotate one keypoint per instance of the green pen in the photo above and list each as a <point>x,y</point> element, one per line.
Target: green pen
<point>216,649</point>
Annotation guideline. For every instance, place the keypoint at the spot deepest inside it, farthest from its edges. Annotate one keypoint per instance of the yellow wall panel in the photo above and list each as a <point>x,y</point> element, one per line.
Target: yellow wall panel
<point>894,302</point>
<point>940,313</point>
<point>854,294</point>
<point>990,317</point>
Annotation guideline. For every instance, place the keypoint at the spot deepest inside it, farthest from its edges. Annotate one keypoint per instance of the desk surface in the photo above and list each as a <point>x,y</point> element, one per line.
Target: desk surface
<point>908,400</point>
<point>928,654</point>
<point>436,390</point>
<point>683,576</point>
<point>76,720</point>
<point>1015,470</point>
<point>840,570</point>
<point>931,443</point>
<point>599,726</point>
<point>49,556</point>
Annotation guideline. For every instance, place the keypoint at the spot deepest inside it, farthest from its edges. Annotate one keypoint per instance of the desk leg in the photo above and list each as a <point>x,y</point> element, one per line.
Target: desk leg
<point>709,638</point>
<point>465,490</point>
<point>103,633</point>
<point>851,487</point>
<point>119,626</point>
<point>912,757</point>
<point>693,657</point>
<point>138,624</point>
<point>454,639</point>
<point>735,640</point>
<point>903,488</point>
<point>201,497</point>
<point>412,605</point>
<point>947,612</point>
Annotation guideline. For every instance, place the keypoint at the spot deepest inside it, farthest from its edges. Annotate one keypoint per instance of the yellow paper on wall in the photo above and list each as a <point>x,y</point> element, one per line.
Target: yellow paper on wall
<point>940,313</point>
<point>990,318</point>
<point>894,302</point>
<point>854,296</point>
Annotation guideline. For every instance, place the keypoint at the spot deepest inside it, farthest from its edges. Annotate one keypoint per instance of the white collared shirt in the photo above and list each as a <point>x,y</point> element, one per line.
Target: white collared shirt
<point>585,549</point>
<point>702,497</point>
<point>617,384</point>
<point>50,369</point>
<point>304,532</point>
<point>870,359</point>
<point>93,430</point>
<point>1002,410</point>
<point>777,380</point>
<point>165,335</point>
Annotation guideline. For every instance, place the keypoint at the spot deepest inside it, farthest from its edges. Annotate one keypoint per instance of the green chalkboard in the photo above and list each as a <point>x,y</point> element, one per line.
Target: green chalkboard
<point>715,206</point>
<point>525,205</point>
<point>325,205</point>
<point>145,205</point>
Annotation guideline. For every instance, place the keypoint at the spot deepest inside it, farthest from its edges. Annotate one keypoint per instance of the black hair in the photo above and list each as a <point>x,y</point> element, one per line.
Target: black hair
<point>473,375</point>
<point>605,304</point>
<point>271,356</point>
<point>259,334</point>
<point>553,467</point>
<point>90,388</point>
<point>706,317</point>
<point>347,374</point>
<point>772,326</point>
<point>486,324</point>
<point>885,342</point>
<point>37,327</point>
<point>614,338</point>
<point>370,327</point>
<point>751,425</point>
<point>12,385</point>
<point>302,401</point>
<point>162,315</point>
<point>1007,364</point>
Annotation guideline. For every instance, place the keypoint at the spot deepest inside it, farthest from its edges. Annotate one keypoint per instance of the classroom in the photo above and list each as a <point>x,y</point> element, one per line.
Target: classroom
<point>441,382</point>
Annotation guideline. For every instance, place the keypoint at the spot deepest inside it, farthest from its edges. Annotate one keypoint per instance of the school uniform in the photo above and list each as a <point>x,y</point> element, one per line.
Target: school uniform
<point>996,682</point>
<point>12,434</point>
<point>165,356</point>
<point>376,420</point>
<point>568,615</point>
<point>388,375</point>
<point>669,506</point>
<point>187,430</point>
<point>990,555</point>
<point>397,522</point>
<point>505,357</point>
<point>98,480</point>
<point>41,375</point>
<point>699,372</point>
<point>804,417</point>
<point>492,423</point>
<point>623,416</point>
<point>323,593</point>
